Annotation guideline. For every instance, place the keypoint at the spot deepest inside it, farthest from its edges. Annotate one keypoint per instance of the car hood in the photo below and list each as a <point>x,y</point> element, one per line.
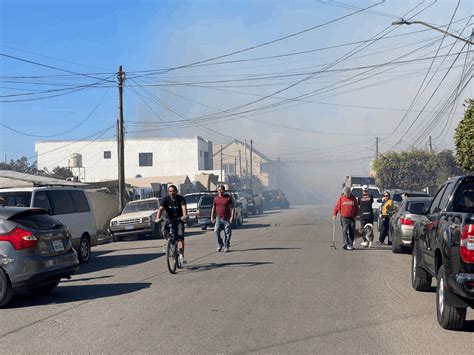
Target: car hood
<point>140,214</point>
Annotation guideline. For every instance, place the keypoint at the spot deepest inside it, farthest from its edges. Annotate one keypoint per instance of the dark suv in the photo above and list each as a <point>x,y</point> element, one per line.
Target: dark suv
<point>443,247</point>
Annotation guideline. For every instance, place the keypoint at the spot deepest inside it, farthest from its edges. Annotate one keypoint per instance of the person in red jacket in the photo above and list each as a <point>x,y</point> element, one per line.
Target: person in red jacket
<point>348,208</point>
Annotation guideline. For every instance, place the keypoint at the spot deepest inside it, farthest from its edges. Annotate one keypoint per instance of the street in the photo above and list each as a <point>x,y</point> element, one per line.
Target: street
<point>279,290</point>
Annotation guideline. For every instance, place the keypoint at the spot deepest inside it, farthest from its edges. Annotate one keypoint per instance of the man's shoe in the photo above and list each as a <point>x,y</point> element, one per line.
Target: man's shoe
<point>389,243</point>
<point>226,249</point>
<point>164,248</point>
<point>350,247</point>
<point>219,248</point>
<point>182,260</point>
<point>344,247</point>
<point>378,242</point>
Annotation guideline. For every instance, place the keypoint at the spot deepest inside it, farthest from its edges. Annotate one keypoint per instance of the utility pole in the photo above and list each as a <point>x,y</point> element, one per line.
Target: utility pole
<point>278,173</point>
<point>431,145</point>
<point>240,164</point>
<point>251,166</point>
<point>246,161</point>
<point>376,147</point>
<point>120,141</point>
<point>222,168</point>
<point>235,166</point>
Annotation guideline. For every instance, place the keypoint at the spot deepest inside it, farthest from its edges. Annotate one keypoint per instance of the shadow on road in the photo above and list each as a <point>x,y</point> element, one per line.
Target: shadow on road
<point>468,327</point>
<point>116,261</point>
<point>213,266</point>
<point>272,248</point>
<point>254,225</point>
<point>70,293</point>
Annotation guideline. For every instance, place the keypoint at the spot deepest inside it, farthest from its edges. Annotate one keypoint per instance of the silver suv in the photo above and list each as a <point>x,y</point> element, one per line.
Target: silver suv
<point>35,252</point>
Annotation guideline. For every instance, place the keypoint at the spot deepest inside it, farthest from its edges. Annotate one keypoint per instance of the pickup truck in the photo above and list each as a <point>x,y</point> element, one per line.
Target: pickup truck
<point>443,247</point>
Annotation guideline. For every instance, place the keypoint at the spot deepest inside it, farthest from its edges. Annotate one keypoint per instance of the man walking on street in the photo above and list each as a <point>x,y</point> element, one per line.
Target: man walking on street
<point>346,205</point>
<point>385,212</point>
<point>366,213</point>
<point>223,209</point>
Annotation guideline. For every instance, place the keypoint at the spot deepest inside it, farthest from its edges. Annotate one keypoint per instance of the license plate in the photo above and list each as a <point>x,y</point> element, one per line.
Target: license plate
<point>58,245</point>
<point>128,228</point>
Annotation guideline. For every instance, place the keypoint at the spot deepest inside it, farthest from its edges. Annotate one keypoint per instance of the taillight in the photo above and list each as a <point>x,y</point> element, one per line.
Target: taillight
<point>407,221</point>
<point>466,246</point>
<point>19,238</point>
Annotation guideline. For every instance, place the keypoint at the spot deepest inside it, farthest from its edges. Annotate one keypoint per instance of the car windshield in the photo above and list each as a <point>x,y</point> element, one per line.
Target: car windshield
<point>375,193</point>
<point>140,206</point>
<point>18,198</point>
<point>194,198</point>
<point>206,201</point>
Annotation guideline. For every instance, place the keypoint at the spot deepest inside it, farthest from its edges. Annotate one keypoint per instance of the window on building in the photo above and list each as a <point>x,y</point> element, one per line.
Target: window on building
<point>145,159</point>
<point>228,168</point>
<point>107,154</point>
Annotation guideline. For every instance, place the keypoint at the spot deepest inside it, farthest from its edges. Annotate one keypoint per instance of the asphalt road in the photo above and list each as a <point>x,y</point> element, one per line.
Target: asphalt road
<point>279,290</point>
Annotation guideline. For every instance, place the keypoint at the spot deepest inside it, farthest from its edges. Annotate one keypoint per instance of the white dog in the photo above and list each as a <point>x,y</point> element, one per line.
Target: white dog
<point>367,235</point>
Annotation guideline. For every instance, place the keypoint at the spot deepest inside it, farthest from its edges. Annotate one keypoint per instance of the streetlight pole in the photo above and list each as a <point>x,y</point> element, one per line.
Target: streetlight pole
<point>405,22</point>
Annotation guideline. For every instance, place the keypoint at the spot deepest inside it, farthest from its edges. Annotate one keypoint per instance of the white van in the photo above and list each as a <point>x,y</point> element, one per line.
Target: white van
<point>68,204</point>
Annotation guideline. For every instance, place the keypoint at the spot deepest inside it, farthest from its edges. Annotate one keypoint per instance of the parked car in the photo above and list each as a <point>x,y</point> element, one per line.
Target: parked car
<point>137,218</point>
<point>254,201</point>
<point>403,221</point>
<point>397,195</point>
<point>205,207</point>
<point>35,252</point>
<point>239,197</point>
<point>68,204</point>
<point>443,247</point>
<point>275,199</point>
<point>192,200</point>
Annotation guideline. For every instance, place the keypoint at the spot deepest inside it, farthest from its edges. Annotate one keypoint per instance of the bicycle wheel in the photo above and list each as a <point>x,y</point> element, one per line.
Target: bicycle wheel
<point>171,256</point>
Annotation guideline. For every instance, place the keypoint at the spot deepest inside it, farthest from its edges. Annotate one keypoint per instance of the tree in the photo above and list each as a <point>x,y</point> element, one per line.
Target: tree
<point>416,169</point>
<point>464,139</point>
<point>23,166</point>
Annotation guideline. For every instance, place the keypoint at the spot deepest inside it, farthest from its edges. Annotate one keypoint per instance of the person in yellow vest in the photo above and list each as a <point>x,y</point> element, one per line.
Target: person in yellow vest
<point>385,211</point>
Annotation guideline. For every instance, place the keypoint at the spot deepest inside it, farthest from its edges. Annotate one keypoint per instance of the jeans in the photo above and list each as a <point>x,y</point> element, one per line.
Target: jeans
<point>348,229</point>
<point>222,224</point>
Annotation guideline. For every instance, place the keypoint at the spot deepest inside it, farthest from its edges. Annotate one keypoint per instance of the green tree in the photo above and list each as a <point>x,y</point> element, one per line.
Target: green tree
<point>21,165</point>
<point>464,139</point>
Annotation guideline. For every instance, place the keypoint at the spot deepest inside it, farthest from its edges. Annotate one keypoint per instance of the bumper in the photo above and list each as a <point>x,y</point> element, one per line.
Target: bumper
<point>37,271</point>
<point>461,286</point>
<point>132,229</point>
<point>192,220</point>
<point>205,222</point>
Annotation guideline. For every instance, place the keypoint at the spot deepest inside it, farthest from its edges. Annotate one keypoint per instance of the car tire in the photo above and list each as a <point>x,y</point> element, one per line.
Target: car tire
<point>44,289</point>
<point>6,292</point>
<point>396,247</point>
<point>420,279</point>
<point>156,232</point>
<point>203,227</point>
<point>84,252</point>
<point>449,317</point>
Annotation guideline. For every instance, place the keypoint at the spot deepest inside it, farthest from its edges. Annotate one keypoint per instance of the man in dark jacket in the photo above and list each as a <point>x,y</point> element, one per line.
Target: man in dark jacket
<point>347,206</point>
<point>366,213</point>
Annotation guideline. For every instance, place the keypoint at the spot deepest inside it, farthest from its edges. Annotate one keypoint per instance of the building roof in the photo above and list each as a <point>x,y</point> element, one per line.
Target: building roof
<point>246,145</point>
<point>9,178</point>
<point>148,181</point>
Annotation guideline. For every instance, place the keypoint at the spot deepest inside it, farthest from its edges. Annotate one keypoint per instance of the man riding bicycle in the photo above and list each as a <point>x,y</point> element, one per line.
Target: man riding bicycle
<point>175,207</point>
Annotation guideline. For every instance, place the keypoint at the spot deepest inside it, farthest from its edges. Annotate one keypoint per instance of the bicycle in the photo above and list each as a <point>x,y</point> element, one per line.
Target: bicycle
<point>172,252</point>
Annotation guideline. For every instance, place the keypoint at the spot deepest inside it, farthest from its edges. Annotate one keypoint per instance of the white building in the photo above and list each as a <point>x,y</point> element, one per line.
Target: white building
<point>97,160</point>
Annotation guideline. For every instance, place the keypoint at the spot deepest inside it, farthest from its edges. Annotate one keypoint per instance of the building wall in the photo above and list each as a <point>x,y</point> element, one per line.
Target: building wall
<point>170,157</point>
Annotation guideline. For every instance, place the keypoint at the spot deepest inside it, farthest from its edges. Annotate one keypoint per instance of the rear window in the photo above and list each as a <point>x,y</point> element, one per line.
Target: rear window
<point>18,199</point>
<point>206,201</point>
<point>417,207</point>
<point>37,221</point>
<point>464,198</point>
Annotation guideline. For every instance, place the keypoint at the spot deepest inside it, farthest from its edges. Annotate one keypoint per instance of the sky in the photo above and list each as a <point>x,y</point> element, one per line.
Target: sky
<point>340,75</point>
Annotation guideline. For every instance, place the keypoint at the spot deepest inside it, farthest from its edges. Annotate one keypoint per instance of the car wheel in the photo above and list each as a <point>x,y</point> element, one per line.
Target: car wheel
<point>396,247</point>
<point>6,292</point>
<point>203,227</point>
<point>84,252</point>
<point>44,289</point>
<point>449,317</point>
<point>156,233</point>
<point>420,279</point>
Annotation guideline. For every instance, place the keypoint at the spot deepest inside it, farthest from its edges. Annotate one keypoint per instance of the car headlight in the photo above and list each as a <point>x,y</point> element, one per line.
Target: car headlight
<point>146,219</point>
<point>113,223</point>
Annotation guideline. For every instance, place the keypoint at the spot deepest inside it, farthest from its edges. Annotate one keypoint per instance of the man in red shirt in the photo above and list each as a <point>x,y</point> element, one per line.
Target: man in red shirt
<point>347,206</point>
<point>223,209</point>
